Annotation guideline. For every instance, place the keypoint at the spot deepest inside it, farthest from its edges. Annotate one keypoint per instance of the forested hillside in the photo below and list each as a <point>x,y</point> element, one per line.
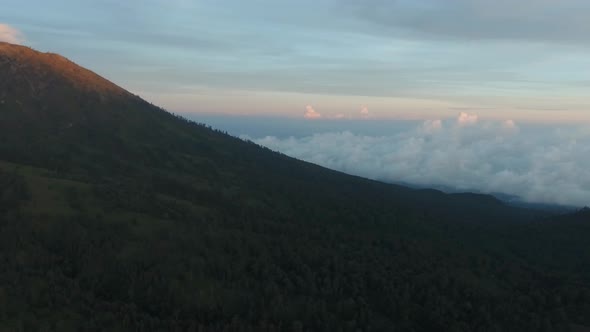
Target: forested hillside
<point>116,215</point>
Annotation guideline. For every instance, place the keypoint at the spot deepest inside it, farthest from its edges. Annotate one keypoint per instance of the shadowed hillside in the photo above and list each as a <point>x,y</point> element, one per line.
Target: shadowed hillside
<point>116,215</point>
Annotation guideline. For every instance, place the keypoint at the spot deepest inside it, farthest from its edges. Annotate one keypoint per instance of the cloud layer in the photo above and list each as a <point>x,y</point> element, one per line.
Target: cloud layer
<point>537,164</point>
<point>10,35</point>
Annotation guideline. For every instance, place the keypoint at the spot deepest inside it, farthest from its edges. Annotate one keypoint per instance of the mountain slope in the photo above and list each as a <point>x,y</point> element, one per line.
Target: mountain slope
<point>79,118</point>
<point>116,215</point>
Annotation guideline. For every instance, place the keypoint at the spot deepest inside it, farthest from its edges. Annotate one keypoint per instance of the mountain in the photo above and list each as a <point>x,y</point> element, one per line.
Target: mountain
<point>117,215</point>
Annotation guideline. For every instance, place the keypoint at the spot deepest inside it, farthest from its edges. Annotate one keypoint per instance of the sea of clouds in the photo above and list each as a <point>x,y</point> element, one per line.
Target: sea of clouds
<point>539,164</point>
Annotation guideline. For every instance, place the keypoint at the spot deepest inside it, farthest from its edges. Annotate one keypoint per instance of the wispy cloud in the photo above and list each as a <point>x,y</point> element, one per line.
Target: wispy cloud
<point>537,164</point>
<point>563,21</point>
<point>10,35</point>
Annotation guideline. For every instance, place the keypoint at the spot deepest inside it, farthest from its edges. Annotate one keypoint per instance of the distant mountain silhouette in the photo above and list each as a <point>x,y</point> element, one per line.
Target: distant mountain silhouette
<point>117,215</point>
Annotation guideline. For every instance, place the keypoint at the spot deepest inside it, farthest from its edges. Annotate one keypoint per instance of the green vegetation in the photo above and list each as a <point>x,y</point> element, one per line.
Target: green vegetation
<point>118,216</point>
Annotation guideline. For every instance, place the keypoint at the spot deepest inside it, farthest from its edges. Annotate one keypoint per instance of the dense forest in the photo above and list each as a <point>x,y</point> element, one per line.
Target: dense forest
<point>116,215</point>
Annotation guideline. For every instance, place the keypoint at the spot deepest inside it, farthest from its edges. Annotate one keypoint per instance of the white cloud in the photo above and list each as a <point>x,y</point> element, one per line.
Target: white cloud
<point>10,35</point>
<point>510,126</point>
<point>537,164</point>
<point>365,112</point>
<point>465,119</point>
<point>310,113</point>
<point>432,126</point>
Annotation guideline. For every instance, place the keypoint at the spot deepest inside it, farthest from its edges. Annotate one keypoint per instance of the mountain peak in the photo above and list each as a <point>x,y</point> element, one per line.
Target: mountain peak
<point>32,74</point>
<point>45,94</point>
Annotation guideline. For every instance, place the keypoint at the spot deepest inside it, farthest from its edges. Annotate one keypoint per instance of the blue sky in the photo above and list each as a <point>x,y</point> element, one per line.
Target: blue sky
<point>526,60</point>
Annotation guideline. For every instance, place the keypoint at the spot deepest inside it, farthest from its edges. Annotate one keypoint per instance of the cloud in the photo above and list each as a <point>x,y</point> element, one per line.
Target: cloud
<point>465,119</point>
<point>535,163</point>
<point>510,126</point>
<point>432,126</point>
<point>10,35</point>
<point>310,113</point>
<point>529,20</point>
<point>365,112</point>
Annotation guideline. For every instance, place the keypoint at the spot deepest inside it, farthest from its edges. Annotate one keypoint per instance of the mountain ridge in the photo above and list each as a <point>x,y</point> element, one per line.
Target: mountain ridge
<point>33,65</point>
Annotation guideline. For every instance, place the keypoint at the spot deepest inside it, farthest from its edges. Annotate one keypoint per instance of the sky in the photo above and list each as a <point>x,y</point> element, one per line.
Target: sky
<point>526,60</point>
